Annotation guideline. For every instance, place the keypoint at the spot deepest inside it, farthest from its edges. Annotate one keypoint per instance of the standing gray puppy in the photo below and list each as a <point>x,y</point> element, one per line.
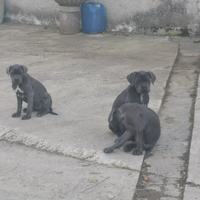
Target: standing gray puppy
<point>136,92</point>
<point>30,91</point>
<point>136,123</point>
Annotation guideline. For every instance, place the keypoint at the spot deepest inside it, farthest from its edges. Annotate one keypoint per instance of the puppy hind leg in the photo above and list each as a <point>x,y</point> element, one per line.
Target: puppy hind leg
<point>45,105</point>
<point>43,111</point>
<point>133,145</point>
<point>139,141</point>
<point>128,147</point>
<point>148,147</point>
<point>124,138</point>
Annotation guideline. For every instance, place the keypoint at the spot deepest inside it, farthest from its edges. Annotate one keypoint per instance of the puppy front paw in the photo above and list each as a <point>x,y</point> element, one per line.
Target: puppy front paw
<point>144,98</point>
<point>107,150</point>
<point>25,117</point>
<point>16,115</point>
<point>137,152</point>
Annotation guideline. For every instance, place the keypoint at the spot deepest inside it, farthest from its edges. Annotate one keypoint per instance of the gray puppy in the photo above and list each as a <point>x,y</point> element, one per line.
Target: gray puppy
<point>137,91</point>
<point>30,91</point>
<point>136,123</point>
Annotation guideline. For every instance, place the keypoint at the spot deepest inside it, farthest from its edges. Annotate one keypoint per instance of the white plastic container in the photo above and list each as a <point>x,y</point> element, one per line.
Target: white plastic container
<point>1,10</point>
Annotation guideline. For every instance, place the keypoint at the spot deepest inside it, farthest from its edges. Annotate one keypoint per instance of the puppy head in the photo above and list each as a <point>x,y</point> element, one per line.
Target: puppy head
<point>16,72</point>
<point>141,81</point>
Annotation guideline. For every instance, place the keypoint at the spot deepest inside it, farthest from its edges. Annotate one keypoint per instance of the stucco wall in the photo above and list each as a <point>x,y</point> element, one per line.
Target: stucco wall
<point>139,16</point>
<point>136,15</point>
<point>40,12</point>
<point>193,13</point>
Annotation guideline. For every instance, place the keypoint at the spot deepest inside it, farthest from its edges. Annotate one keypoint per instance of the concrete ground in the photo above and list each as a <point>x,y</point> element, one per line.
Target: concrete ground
<point>166,166</point>
<point>188,49</point>
<point>83,73</point>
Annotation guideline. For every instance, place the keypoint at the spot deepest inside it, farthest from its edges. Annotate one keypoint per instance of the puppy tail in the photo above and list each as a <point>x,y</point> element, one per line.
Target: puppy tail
<point>53,113</point>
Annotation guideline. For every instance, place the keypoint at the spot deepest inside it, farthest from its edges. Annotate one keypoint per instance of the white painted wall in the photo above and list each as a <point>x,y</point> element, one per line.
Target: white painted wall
<point>39,12</point>
<point>139,16</point>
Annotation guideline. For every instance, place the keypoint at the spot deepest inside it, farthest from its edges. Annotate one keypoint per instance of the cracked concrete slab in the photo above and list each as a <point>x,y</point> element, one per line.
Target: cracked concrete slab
<point>83,81</point>
<point>166,165</point>
<point>31,174</point>
<point>193,192</point>
<point>194,161</point>
<point>83,73</point>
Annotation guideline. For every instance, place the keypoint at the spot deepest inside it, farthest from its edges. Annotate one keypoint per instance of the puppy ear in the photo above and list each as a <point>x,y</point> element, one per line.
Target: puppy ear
<point>113,113</point>
<point>152,76</point>
<point>8,70</point>
<point>131,78</point>
<point>25,69</point>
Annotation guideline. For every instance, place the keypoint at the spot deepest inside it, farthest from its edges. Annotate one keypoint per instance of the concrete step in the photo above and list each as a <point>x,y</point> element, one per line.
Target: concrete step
<point>166,165</point>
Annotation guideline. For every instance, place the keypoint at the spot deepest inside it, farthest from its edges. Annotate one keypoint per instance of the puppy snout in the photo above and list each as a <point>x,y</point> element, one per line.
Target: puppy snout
<point>144,86</point>
<point>16,79</point>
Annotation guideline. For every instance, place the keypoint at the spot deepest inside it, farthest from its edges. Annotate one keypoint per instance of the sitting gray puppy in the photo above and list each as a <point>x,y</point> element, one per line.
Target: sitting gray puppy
<point>136,123</point>
<point>30,91</point>
<point>137,91</point>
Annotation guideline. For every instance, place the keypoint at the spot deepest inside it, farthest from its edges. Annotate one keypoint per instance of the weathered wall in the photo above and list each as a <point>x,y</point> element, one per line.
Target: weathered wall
<point>147,16</point>
<point>145,13</point>
<point>138,16</point>
<point>40,12</point>
<point>193,13</point>
<point>1,10</point>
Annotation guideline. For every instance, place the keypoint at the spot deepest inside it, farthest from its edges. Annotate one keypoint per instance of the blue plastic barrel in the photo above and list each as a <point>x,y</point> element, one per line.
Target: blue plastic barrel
<point>93,17</point>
